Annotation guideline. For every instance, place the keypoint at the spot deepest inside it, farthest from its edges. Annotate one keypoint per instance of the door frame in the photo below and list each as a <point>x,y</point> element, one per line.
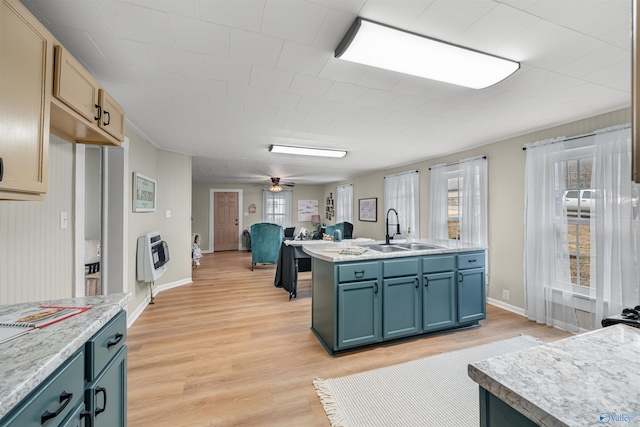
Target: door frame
<point>212,192</point>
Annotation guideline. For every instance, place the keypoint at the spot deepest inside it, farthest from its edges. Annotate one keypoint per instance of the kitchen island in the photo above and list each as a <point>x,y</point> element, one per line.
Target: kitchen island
<point>46,373</point>
<point>394,291</point>
<point>585,380</point>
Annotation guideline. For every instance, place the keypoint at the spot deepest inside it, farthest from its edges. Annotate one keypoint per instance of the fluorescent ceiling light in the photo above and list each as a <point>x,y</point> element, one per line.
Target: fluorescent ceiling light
<point>285,149</point>
<point>386,47</point>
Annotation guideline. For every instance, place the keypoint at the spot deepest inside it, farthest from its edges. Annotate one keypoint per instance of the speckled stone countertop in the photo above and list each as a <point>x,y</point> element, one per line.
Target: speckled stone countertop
<point>25,361</point>
<point>585,380</point>
<point>444,247</point>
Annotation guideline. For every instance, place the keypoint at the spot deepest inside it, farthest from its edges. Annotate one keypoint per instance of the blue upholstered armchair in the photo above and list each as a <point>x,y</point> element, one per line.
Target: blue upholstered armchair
<point>266,239</point>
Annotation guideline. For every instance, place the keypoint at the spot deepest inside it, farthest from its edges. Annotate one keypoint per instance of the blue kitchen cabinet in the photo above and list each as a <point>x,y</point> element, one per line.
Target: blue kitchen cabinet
<point>401,306</point>
<point>471,288</point>
<point>438,301</point>
<point>356,304</point>
<point>358,313</point>
<point>87,390</point>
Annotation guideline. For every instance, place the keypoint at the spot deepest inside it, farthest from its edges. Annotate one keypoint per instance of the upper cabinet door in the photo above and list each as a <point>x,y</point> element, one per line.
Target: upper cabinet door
<point>26,55</point>
<point>74,86</point>
<point>112,120</point>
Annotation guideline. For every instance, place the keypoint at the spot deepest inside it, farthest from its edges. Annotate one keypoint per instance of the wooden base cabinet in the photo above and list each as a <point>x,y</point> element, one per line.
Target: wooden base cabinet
<point>89,389</point>
<point>357,304</point>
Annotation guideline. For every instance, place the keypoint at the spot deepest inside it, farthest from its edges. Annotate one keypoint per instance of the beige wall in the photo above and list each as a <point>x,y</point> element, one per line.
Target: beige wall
<point>173,175</point>
<point>506,199</point>
<point>251,194</point>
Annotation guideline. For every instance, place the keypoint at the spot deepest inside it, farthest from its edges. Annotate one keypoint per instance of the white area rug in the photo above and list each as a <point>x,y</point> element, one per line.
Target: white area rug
<point>434,391</point>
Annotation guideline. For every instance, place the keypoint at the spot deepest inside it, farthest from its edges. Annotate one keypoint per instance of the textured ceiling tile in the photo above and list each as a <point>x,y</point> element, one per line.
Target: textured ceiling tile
<point>292,20</point>
<point>345,92</point>
<point>179,61</point>
<point>271,78</point>
<point>227,70</point>
<point>138,23</point>
<point>333,30</point>
<point>197,36</point>
<point>187,8</point>
<point>256,48</point>
<point>309,85</point>
<point>245,14</point>
<point>302,59</point>
<point>82,15</point>
<point>376,98</point>
<point>443,20</point>
<point>124,51</point>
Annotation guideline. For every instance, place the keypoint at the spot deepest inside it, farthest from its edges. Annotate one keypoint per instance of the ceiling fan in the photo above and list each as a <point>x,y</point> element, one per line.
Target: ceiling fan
<point>276,185</point>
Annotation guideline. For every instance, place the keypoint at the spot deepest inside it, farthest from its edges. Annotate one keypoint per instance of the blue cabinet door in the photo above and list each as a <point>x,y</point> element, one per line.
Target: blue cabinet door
<point>107,395</point>
<point>401,310</point>
<point>472,304</point>
<point>358,313</point>
<point>438,301</point>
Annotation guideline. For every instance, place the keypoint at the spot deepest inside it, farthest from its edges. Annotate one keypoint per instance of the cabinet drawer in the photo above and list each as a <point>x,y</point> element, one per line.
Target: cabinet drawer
<point>359,271</point>
<point>105,344</point>
<point>54,399</point>
<point>436,264</point>
<point>472,260</point>
<point>400,267</point>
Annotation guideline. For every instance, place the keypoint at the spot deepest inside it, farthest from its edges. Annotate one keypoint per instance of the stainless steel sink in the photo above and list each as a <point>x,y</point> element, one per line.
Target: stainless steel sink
<point>416,246</point>
<point>385,248</point>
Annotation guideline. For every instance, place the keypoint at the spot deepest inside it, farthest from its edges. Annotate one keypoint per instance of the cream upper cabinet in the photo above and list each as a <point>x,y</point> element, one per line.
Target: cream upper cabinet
<point>81,110</point>
<point>74,86</point>
<point>26,66</point>
<point>112,117</point>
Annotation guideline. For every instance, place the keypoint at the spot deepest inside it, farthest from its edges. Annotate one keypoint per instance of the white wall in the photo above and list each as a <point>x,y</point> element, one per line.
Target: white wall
<point>36,256</point>
<point>92,182</point>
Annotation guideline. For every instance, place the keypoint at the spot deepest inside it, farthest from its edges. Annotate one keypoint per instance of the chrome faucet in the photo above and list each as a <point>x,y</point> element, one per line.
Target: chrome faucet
<point>387,237</point>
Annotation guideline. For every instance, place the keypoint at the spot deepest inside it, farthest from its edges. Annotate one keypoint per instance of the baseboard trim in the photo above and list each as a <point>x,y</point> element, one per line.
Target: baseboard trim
<point>132,317</point>
<point>505,306</point>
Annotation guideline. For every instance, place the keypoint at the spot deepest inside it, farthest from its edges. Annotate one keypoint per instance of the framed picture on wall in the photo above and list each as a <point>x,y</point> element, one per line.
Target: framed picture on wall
<point>368,209</point>
<point>144,193</point>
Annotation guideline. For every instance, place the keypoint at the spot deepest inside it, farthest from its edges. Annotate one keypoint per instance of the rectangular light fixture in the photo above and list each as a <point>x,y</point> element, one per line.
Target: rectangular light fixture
<point>285,149</point>
<point>381,46</point>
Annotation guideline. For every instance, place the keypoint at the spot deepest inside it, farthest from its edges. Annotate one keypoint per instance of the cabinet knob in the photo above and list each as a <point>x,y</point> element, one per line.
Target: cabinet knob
<point>417,283</point>
<point>99,116</point>
<point>104,406</point>
<point>375,288</point>
<point>1,168</point>
<point>119,337</point>
<point>426,282</point>
<point>460,277</point>
<point>106,113</point>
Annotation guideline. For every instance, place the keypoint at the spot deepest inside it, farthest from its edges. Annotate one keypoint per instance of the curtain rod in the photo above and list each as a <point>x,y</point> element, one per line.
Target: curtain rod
<point>460,161</point>
<point>401,173</point>
<point>571,138</point>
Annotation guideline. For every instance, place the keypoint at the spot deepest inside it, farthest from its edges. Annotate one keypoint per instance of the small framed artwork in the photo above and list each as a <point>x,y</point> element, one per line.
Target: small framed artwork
<point>144,193</point>
<point>368,209</point>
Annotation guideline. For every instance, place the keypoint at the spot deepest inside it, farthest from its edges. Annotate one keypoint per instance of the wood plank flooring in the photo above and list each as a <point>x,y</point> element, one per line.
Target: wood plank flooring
<point>230,349</point>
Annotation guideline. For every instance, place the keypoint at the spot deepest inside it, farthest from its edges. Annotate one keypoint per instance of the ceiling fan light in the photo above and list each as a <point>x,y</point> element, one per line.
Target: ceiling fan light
<point>275,188</point>
<point>381,46</point>
<point>303,151</point>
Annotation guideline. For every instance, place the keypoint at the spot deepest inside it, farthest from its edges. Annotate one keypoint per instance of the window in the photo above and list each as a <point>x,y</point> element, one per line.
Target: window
<point>277,207</point>
<point>577,202</point>
<point>401,193</point>
<point>344,203</point>
<point>453,207</point>
<point>458,201</point>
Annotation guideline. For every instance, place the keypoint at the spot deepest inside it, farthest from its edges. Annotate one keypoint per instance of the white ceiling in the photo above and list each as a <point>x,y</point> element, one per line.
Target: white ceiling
<point>221,80</point>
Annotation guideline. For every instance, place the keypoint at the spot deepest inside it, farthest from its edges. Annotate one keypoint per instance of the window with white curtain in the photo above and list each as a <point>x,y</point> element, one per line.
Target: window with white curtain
<point>458,201</point>
<point>276,207</point>
<point>344,203</point>
<point>401,192</point>
<point>582,229</point>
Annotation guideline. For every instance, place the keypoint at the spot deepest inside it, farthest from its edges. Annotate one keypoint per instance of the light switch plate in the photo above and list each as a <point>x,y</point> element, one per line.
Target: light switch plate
<point>168,214</point>
<point>64,223</point>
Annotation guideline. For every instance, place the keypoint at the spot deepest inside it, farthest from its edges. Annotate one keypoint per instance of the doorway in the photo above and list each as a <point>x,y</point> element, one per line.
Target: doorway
<point>92,220</point>
<point>227,213</point>
<point>226,218</point>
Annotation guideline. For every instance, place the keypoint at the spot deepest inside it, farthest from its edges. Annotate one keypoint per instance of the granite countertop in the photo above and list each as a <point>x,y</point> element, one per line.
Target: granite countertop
<point>583,380</point>
<point>444,247</point>
<point>25,361</point>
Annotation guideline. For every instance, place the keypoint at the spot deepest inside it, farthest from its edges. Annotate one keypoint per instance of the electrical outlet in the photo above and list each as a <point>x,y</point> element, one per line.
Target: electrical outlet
<point>505,295</point>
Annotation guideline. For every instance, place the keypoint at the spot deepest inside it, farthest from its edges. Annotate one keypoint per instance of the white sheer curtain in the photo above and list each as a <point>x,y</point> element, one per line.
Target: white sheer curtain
<point>473,221</point>
<point>401,192</point>
<point>276,207</point>
<point>438,196</point>
<point>344,203</point>
<point>547,279</point>
<point>615,225</point>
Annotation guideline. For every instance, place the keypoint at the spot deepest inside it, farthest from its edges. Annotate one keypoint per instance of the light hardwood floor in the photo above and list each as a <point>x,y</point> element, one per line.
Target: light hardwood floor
<point>230,349</point>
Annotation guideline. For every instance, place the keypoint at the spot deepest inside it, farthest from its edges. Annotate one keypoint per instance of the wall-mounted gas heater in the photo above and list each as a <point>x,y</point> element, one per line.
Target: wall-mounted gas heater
<point>153,255</point>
